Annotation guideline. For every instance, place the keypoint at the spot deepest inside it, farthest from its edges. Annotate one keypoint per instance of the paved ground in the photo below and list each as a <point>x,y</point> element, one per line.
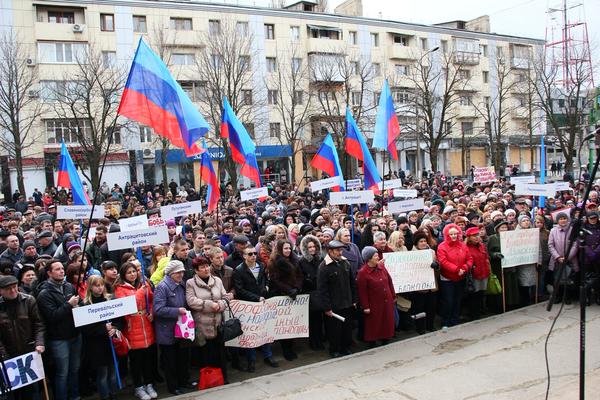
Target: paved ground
<point>501,357</point>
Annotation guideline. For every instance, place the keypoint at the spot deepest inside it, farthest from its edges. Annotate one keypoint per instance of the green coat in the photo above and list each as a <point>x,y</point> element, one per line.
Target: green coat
<point>511,284</point>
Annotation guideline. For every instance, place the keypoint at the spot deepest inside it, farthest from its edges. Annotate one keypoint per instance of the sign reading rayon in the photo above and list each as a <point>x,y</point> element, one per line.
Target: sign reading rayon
<point>79,212</point>
<point>181,209</point>
<point>24,370</point>
<point>104,311</point>
<point>274,319</point>
<point>142,237</point>
<point>520,247</point>
<point>410,270</point>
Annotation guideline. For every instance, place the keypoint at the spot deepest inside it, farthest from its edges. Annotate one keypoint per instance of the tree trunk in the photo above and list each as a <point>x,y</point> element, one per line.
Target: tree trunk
<point>19,168</point>
<point>95,174</point>
<point>433,158</point>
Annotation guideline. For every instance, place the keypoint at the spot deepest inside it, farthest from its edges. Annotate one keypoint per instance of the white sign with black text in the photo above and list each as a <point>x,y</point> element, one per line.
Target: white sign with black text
<point>407,193</point>
<point>325,183</point>
<point>142,237</point>
<point>181,209</point>
<point>134,223</point>
<point>535,189</point>
<point>391,184</point>
<point>353,184</point>
<point>397,207</point>
<point>522,179</point>
<point>354,197</point>
<point>104,311</point>
<point>79,212</point>
<point>252,194</point>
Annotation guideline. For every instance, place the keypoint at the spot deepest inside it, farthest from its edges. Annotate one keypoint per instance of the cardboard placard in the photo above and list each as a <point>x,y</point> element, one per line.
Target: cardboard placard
<point>484,174</point>
<point>522,179</point>
<point>406,193</point>
<point>133,223</point>
<point>391,184</point>
<point>535,189</point>
<point>24,370</point>
<point>520,247</point>
<point>353,184</point>
<point>410,270</point>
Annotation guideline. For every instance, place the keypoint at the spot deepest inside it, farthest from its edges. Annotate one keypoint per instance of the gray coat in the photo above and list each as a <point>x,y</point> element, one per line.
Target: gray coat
<point>169,297</point>
<point>557,244</point>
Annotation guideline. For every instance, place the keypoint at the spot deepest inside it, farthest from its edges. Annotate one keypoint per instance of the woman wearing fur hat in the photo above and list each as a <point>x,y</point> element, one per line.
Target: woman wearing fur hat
<point>310,248</point>
<point>511,287</point>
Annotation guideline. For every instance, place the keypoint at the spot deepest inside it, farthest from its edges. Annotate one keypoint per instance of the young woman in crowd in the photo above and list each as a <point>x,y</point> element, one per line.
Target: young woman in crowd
<point>425,301</point>
<point>310,248</point>
<point>480,272</point>
<point>526,274</point>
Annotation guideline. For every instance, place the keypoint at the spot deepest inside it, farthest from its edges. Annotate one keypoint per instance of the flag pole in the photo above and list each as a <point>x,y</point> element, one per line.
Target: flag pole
<point>383,182</point>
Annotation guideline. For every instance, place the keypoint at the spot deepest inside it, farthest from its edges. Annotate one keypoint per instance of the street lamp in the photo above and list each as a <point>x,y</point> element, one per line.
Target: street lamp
<point>418,155</point>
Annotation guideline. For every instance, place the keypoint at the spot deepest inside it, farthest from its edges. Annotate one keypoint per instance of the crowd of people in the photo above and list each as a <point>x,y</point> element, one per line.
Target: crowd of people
<point>293,242</point>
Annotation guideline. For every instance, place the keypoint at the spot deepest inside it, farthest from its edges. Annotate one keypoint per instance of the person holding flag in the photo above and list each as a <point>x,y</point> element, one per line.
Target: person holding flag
<point>68,178</point>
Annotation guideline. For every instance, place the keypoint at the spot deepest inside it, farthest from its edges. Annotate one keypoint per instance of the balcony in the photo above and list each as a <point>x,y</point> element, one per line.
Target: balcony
<point>181,39</point>
<point>466,112</point>
<point>61,32</point>
<point>520,63</point>
<point>466,58</point>
<point>325,46</point>
<point>400,52</point>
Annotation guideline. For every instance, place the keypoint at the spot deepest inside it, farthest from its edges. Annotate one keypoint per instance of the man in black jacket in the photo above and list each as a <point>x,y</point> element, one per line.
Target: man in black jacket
<point>250,283</point>
<point>56,301</point>
<point>336,286</point>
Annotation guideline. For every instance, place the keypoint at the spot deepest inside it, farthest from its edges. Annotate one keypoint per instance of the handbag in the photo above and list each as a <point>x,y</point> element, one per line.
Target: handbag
<point>231,328</point>
<point>493,286</point>
<point>120,343</point>
<point>184,328</point>
<point>469,284</point>
<point>210,377</point>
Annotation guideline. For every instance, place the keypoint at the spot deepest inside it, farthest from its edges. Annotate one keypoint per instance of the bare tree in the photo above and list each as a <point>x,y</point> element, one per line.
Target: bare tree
<point>19,106</point>
<point>294,100</point>
<point>226,67</point>
<point>88,104</point>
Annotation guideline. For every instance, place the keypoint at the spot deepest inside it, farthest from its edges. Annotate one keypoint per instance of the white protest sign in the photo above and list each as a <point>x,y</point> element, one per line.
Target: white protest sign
<point>484,174</point>
<point>252,194</point>
<point>520,247</point>
<point>562,186</point>
<point>410,270</point>
<point>142,237</point>
<point>134,223</point>
<point>407,193</point>
<point>276,318</point>
<point>181,209</point>
<point>156,222</point>
<point>354,197</point>
<point>353,184</point>
<point>397,207</point>
<point>325,183</point>
<point>79,212</point>
<point>104,311</point>
<point>392,184</point>
<point>535,189</point>
<point>522,179</point>
<point>24,370</point>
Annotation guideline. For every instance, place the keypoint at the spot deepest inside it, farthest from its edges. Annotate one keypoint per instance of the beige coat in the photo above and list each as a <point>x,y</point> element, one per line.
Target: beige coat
<point>200,298</point>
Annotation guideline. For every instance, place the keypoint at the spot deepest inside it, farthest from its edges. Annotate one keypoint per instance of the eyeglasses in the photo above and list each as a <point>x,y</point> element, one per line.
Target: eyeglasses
<point>251,254</point>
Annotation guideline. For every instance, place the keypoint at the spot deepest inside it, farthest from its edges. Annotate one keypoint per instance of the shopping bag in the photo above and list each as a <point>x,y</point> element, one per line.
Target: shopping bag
<point>210,377</point>
<point>493,286</point>
<point>184,328</point>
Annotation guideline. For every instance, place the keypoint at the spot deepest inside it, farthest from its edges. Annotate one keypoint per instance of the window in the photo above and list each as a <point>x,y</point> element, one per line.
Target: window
<point>145,134</point>
<point>274,129</point>
<point>269,31</point>
<point>561,103</point>
<point>354,67</point>
<point>241,28</point>
<point>182,59</point>
<point>401,69</point>
<point>296,65</point>
<point>181,24</point>
<point>249,128</point>
<point>247,97</point>
<point>356,98</point>
<point>375,39</point>
<point>376,69</point>
<point>499,52</point>
<point>401,40</point>
<point>214,27</point>
<point>114,135</point>
<point>465,100</point>
<point>487,101</point>
<point>464,74</point>
<point>244,62</point>
<point>139,24</point>
<point>272,96</point>
<point>295,33</point>
<point>401,96</point>
<point>485,75</point>
<point>109,58</point>
<point>521,101</point>
<point>61,17</point>
<point>424,44</point>
<point>196,90</point>
<point>271,64</point>
<point>59,52</point>
<point>466,128</point>
<point>51,91</point>
<point>66,130</point>
<point>521,77</point>
<point>352,38</point>
<point>216,60</point>
<point>298,97</point>
<point>448,127</point>
<point>376,96</point>
<point>107,22</point>
<point>325,95</point>
<point>324,33</point>
<point>484,50</point>
<point>444,45</point>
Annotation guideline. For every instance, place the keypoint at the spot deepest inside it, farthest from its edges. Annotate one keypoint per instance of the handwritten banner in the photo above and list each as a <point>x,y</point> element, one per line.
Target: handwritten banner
<point>181,209</point>
<point>353,184</point>
<point>410,270</point>
<point>274,319</point>
<point>484,174</point>
<point>397,207</point>
<point>79,212</point>
<point>354,197</point>
<point>252,194</point>
<point>520,247</point>
<point>104,311</point>
<point>325,183</point>
<point>142,237</point>
<point>24,370</point>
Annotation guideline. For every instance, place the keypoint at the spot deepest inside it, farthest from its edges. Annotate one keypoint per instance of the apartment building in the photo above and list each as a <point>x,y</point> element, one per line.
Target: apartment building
<point>344,59</point>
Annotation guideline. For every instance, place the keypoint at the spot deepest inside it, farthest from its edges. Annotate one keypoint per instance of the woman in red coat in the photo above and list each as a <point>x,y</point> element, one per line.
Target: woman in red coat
<point>455,260</point>
<point>377,298</point>
<point>480,270</point>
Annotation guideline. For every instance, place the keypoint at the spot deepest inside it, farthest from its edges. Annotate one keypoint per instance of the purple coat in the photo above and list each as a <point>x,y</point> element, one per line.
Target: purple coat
<point>169,296</point>
<point>558,241</point>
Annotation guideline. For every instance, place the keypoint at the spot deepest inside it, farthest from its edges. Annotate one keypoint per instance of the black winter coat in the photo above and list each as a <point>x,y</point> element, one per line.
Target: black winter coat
<point>336,285</point>
<point>246,286</point>
<point>56,312</point>
<point>285,278</point>
<point>97,342</point>
<point>21,327</point>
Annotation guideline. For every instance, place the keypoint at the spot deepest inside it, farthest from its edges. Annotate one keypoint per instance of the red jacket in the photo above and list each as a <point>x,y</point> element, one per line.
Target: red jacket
<point>481,261</point>
<point>376,293</point>
<point>138,328</point>
<point>453,256</point>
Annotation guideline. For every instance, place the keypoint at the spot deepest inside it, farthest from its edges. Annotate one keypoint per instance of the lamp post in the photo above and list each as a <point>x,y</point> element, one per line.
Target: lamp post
<point>418,154</point>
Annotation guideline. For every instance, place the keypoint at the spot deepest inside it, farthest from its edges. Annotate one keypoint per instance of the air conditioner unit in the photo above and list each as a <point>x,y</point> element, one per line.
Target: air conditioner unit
<point>148,153</point>
<point>33,93</point>
<point>30,62</point>
<point>77,28</point>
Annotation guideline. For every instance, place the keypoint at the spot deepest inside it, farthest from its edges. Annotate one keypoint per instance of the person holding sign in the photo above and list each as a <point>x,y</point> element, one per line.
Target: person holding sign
<point>425,301</point>
<point>377,298</point>
<point>455,260</point>
<point>480,271</point>
<point>510,290</point>
<point>526,274</point>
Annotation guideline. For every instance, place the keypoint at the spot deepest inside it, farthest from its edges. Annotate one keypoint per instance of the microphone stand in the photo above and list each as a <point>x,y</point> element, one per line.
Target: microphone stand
<point>578,232</point>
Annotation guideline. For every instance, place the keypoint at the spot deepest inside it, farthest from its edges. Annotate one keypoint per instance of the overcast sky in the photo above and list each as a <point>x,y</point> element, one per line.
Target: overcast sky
<point>513,17</point>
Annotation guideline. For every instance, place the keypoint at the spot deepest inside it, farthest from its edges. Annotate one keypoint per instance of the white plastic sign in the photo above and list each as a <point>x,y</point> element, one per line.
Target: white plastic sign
<point>398,207</point>
<point>325,183</point>
<point>522,179</point>
<point>104,311</point>
<point>134,223</point>
<point>252,194</point>
<point>407,193</point>
<point>24,370</point>
<point>142,237</point>
<point>79,212</point>
<point>535,189</point>
<point>353,184</point>
<point>354,197</point>
<point>562,186</point>
<point>391,184</point>
<point>181,209</point>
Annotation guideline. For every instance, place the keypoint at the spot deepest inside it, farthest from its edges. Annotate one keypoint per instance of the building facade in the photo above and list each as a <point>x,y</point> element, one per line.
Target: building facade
<point>299,71</point>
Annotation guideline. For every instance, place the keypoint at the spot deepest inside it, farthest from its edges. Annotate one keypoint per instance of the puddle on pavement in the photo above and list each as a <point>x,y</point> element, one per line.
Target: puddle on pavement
<point>453,345</point>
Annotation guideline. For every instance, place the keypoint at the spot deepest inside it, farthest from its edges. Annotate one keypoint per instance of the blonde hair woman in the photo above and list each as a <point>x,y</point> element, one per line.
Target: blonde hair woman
<point>396,241</point>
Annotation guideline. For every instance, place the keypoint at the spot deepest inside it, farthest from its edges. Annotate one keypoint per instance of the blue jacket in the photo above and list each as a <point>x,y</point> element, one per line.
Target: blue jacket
<point>169,296</point>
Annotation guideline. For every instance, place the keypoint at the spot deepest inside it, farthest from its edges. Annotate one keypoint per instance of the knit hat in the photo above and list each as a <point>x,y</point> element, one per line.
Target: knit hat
<point>499,224</point>
<point>28,243</point>
<point>523,217</point>
<point>368,252</point>
<point>73,246</point>
<point>418,235</point>
<point>173,267</point>
<point>328,231</point>
<point>472,231</point>
<point>510,211</point>
<point>561,215</point>
<point>495,214</point>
